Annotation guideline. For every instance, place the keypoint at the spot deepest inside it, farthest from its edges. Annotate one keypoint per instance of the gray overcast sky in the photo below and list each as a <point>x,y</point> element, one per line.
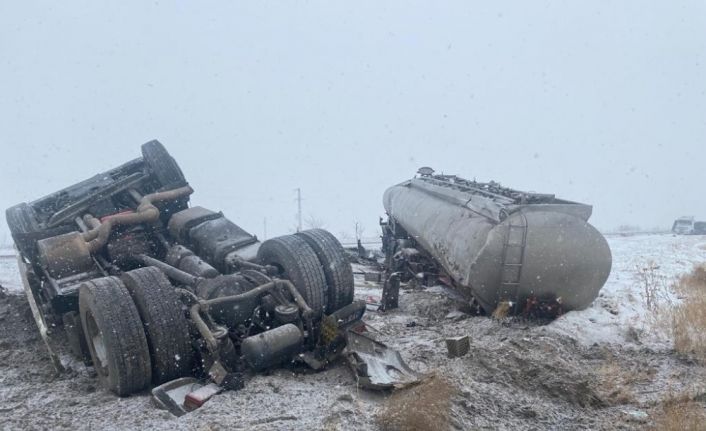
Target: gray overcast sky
<point>602,102</point>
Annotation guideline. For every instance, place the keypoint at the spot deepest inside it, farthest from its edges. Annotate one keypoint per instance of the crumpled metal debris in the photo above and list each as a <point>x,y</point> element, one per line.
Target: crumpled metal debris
<point>377,366</point>
<point>183,395</point>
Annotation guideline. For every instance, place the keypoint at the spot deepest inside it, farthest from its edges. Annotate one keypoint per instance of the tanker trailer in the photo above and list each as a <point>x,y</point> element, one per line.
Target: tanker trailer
<point>507,251</point>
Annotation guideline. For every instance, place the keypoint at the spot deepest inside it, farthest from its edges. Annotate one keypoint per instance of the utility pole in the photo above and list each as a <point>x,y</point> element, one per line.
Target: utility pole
<point>299,210</point>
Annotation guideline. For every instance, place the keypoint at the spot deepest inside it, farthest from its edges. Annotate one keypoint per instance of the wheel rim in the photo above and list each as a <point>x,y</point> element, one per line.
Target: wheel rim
<point>95,340</point>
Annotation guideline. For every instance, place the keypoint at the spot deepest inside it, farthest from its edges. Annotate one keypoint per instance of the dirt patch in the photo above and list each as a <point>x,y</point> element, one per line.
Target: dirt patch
<point>617,380</point>
<point>425,406</point>
<point>542,367</point>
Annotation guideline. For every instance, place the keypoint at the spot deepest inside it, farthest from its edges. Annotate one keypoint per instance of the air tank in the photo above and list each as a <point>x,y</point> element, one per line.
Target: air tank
<point>272,347</point>
<point>503,245</point>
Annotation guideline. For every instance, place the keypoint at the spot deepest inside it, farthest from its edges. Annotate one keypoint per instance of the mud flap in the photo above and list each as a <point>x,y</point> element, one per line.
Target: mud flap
<point>377,366</point>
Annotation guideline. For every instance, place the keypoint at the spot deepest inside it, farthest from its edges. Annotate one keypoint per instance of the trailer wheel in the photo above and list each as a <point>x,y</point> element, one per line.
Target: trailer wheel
<point>162,165</point>
<point>337,268</point>
<point>114,334</point>
<point>164,323</point>
<point>298,263</point>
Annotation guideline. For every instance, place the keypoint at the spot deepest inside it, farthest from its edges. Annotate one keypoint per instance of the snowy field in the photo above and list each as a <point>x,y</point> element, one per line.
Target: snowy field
<point>9,276</point>
<point>601,368</point>
<point>620,313</point>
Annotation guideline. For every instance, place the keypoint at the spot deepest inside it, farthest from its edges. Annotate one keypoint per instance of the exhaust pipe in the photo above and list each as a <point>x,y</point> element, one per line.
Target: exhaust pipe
<point>146,212</point>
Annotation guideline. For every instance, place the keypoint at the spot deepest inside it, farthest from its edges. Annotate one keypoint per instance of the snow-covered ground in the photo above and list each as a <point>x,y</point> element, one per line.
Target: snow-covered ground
<point>600,368</point>
<point>9,275</point>
<point>620,313</point>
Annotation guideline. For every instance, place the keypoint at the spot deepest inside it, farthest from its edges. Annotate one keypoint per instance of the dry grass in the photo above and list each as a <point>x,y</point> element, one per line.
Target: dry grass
<point>616,381</point>
<point>655,289</point>
<point>696,279</point>
<point>682,319</point>
<point>688,318</point>
<point>502,310</point>
<point>657,294</point>
<point>679,413</point>
<point>426,406</point>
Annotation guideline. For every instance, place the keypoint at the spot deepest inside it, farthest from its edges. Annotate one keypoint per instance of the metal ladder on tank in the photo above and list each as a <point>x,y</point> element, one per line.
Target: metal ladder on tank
<point>513,257</point>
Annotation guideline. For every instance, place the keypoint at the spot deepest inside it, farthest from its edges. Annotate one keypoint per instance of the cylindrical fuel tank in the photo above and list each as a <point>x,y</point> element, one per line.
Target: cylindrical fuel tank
<point>272,347</point>
<point>505,252</point>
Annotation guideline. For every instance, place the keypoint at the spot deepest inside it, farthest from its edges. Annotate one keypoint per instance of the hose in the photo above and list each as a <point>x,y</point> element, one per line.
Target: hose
<point>204,305</point>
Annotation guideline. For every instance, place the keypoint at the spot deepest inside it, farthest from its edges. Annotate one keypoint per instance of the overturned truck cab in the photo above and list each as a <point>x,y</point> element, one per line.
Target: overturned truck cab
<point>509,251</point>
<point>149,289</point>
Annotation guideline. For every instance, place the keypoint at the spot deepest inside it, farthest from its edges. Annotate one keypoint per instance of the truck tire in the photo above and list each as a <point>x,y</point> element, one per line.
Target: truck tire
<point>114,335</point>
<point>163,166</point>
<point>164,323</point>
<point>22,223</point>
<point>20,219</point>
<point>297,262</point>
<point>337,268</point>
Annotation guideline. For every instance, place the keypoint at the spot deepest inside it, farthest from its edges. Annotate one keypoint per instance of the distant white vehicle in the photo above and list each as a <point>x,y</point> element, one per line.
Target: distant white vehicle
<point>683,225</point>
<point>687,226</point>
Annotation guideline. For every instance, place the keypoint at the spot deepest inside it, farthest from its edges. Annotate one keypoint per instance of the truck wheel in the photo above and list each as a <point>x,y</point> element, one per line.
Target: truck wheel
<point>162,165</point>
<point>22,222</point>
<point>164,323</point>
<point>337,268</point>
<point>297,262</point>
<point>20,219</point>
<point>114,334</point>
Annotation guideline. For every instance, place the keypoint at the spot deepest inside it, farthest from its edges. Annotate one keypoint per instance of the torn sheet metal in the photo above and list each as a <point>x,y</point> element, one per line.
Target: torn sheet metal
<point>377,366</point>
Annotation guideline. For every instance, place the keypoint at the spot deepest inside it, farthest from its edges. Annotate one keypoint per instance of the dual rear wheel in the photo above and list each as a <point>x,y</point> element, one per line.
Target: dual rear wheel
<point>316,263</point>
<point>135,329</point>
